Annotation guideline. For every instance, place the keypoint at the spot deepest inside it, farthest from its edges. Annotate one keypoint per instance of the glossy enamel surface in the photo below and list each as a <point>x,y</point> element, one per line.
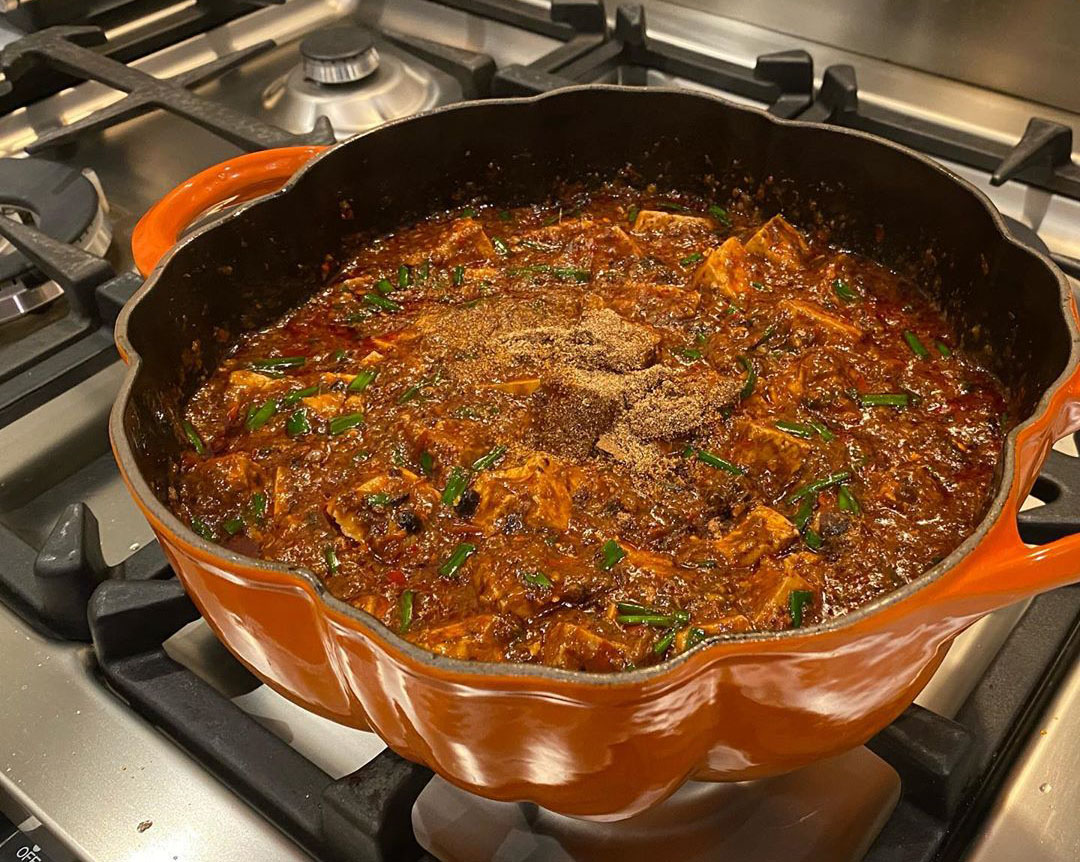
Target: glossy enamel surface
<point>602,746</point>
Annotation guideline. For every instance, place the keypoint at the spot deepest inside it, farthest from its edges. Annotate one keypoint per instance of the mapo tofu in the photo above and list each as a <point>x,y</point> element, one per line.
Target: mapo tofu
<point>592,436</point>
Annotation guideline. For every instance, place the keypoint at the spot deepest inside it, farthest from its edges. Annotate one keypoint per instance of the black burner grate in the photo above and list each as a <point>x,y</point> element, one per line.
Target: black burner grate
<point>784,81</point>
<point>156,31</point>
<point>1041,158</point>
<point>52,358</point>
<point>364,816</point>
<point>68,49</point>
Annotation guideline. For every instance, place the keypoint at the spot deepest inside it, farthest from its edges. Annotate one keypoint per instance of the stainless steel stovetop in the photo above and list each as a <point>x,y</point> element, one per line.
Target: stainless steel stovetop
<point>86,778</point>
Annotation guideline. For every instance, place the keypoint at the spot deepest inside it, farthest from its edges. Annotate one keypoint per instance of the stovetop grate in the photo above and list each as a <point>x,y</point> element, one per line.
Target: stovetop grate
<point>130,43</point>
<point>69,48</point>
<point>363,816</point>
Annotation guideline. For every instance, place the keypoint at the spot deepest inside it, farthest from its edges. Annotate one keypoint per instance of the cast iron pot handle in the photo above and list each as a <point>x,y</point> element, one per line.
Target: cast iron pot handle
<point>233,181</point>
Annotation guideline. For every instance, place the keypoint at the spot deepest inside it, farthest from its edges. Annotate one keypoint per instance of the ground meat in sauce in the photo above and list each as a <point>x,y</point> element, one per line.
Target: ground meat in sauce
<point>593,438</point>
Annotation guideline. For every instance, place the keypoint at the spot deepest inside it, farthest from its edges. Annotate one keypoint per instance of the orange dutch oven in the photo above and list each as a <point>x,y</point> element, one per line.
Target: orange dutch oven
<point>737,706</point>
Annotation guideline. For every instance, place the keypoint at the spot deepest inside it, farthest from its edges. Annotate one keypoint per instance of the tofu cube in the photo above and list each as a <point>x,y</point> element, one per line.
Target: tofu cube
<point>725,271</point>
<point>779,242</point>
<point>762,532</point>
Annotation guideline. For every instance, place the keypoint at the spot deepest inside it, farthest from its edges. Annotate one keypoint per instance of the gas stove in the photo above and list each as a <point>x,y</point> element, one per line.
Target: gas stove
<point>127,732</point>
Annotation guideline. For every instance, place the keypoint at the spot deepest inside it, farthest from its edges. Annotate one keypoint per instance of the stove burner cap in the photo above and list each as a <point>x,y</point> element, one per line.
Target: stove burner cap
<point>63,203</point>
<point>342,78</point>
<point>340,55</point>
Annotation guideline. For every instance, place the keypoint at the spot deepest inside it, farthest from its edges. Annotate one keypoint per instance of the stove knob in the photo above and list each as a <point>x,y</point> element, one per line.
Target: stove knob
<point>341,55</point>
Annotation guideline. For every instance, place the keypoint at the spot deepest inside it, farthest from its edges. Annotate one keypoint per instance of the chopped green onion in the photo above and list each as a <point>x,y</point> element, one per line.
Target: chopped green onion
<point>361,381</point>
<point>634,608</point>
<point>751,378</point>
<point>820,485</point>
<point>297,423</point>
<point>468,212</point>
<point>943,349</point>
<point>758,285</point>
<point>765,336</point>
<point>261,415</point>
<point>427,463</point>
<point>257,505</point>
<point>377,300</point>
<point>672,207</point>
<point>720,214</point>
<point>410,393</point>
<point>489,460</point>
<point>664,643</point>
<point>690,353</point>
<point>885,399</point>
<point>846,501</point>
<point>341,424</point>
<point>339,354</point>
<point>694,637</point>
<point>193,437</point>
<point>277,363</point>
<point>330,555</point>
<point>804,513</point>
<point>425,269</point>
<point>569,273</point>
<point>233,526</point>
<point>797,601</point>
<point>715,461</point>
<point>795,429</point>
<point>632,214</point>
<point>504,215</point>
<point>203,529</point>
<point>456,559</point>
<point>292,397</point>
<point>661,620</point>
<point>691,259</point>
<point>384,286</point>
<point>844,291</point>
<point>536,579</point>
<point>610,552</point>
<point>404,275</point>
<point>916,346</point>
<point>812,539</point>
<point>457,275</point>
<point>822,429</point>
<point>455,487</point>
<point>406,610</point>
<point>500,245</point>
<point>377,499</point>
<point>681,617</point>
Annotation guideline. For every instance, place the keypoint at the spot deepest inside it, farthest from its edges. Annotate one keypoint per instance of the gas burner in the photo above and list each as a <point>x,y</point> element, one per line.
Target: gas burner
<point>356,81</point>
<point>63,203</point>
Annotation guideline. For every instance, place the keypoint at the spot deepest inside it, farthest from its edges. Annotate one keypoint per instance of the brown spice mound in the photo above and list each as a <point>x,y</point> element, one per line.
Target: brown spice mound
<point>578,405</point>
<point>597,393</point>
<point>678,404</point>
<point>600,340</point>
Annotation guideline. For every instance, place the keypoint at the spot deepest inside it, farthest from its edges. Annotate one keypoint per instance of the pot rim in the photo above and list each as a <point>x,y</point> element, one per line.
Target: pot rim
<point>384,635</point>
